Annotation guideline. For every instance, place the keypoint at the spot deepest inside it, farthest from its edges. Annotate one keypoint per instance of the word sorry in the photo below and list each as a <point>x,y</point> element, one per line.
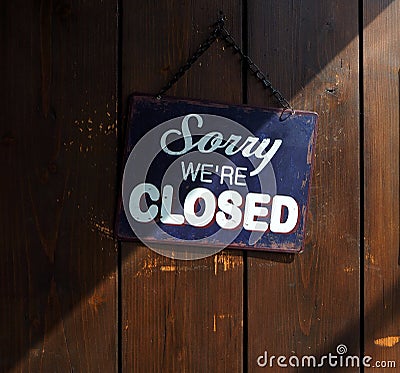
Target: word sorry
<point>214,140</point>
<point>200,205</point>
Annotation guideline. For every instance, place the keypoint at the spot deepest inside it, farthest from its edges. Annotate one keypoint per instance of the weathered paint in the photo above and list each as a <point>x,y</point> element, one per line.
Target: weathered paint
<point>387,341</point>
<point>292,167</point>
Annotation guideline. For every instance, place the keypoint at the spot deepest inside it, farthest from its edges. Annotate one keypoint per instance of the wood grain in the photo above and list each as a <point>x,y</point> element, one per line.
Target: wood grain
<point>59,161</point>
<point>58,158</point>
<point>381,211</point>
<point>310,304</point>
<point>176,315</point>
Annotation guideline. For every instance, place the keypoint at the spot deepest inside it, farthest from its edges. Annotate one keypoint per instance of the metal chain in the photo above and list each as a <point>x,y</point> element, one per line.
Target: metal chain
<point>220,31</point>
<point>255,70</point>
<point>192,60</point>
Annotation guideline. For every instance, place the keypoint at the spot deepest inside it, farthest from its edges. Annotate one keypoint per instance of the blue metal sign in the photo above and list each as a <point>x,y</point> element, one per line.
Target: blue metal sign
<point>210,175</point>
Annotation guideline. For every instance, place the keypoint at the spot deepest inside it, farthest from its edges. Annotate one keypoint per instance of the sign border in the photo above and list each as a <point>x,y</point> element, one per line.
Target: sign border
<point>121,221</point>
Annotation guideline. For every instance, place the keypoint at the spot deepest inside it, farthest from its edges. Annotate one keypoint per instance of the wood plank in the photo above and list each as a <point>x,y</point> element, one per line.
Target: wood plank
<point>177,315</point>
<point>58,148</point>
<point>309,304</point>
<point>381,143</point>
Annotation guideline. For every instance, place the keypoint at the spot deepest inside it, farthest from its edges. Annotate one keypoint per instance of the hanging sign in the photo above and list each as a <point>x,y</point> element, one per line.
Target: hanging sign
<point>200,177</point>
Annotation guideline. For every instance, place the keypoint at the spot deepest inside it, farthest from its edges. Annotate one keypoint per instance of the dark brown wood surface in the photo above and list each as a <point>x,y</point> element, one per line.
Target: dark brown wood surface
<point>63,64</point>
<point>58,146</point>
<point>186,316</point>
<point>382,123</point>
<point>309,304</point>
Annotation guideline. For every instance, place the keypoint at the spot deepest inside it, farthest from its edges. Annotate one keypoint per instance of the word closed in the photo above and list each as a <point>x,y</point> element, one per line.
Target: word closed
<point>210,175</point>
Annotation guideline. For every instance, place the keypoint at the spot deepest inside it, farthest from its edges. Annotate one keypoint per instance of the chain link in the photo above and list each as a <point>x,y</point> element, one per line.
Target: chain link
<point>197,54</point>
<point>219,31</point>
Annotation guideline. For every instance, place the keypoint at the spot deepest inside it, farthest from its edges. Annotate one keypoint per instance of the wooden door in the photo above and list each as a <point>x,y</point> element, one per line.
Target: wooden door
<point>76,300</point>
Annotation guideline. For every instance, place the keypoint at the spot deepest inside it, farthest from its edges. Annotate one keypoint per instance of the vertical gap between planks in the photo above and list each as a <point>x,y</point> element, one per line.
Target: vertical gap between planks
<point>120,121</point>
<point>245,45</point>
<point>361,160</point>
